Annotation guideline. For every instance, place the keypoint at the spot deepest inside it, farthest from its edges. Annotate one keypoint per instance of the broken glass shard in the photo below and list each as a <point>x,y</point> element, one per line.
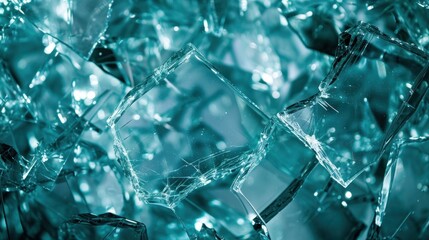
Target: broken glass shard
<point>207,233</point>
<point>131,59</point>
<point>14,104</point>
<point>50,157</point>
<point>54,93</point>
<point>77,24</point>
<point>402,206</point>
<point>53,207</point>
<point>93,182</point>
<point>11,170</point>
<point>215,206</point>
<point>287,164</point>
<point>190,140</point>
<point>24,48</point>
<point>45,152</point>
<point>413,15</point>
<point>287,195</point>
<point>214,14</point>
<point>306,211</point>
<point>177,23</point>
<point>183,128</point>
<point>316,22</point>
<point>103,226</point>
<point>10,226</point>
<point>20,140</point>
<point>131,48</point>
<point>418,125</point>
<point>40,151</point>
<point>246,53</point>
<point>264,58</point>
<point>319,23</point>
<point>349,122</point>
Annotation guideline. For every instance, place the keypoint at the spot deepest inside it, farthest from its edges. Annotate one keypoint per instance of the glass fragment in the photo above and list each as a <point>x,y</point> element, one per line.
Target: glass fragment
<point>167,131</point>
<point>348,123</point>
<point>103,226</point>
<point>107,132</point>
<point>402,204</point>
<point>77,24</point>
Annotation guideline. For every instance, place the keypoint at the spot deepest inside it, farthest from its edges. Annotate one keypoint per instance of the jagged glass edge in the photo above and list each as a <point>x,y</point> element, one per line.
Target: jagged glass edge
<point>17,5</point>
<point>13,84</point>
<point>363,32</point>
<point>108,219</point>
<point>389,175</point>
<point>152,81</point>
